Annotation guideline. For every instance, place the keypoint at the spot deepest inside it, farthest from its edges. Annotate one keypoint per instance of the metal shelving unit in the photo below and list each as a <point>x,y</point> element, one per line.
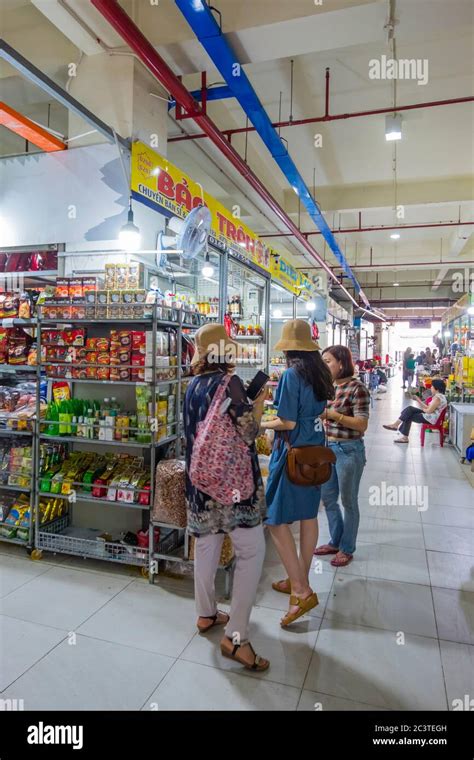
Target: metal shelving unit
<point>60,536</point>
<point>11,370</point>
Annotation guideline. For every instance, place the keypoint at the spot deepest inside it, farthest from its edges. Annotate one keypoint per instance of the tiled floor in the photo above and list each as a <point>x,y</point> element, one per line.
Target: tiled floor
<point>393,631</point>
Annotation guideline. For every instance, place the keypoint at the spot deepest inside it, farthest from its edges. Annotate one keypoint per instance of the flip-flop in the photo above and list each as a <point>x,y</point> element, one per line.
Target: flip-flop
<point>342,559</point>
<point>321,551</point>
<point>390,427</point>
<point>399,440</point>
<point>305,605</point>
<point>215,621</point>
<point>277,586</point>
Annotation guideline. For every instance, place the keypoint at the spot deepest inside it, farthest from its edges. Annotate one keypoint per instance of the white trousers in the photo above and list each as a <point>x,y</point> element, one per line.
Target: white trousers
<point>249,549</point>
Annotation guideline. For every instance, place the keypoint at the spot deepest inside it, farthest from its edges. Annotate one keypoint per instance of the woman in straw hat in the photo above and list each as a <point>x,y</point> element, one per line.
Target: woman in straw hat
<point>208,521</point>
<point>300,399</point>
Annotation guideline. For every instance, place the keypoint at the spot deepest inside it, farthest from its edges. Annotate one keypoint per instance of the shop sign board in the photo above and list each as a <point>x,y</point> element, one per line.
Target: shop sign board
<point>290,278</point>
<point>157,183</point>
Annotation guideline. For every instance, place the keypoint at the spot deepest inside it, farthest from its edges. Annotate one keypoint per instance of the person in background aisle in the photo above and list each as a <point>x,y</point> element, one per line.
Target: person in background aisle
<point>346,419</point>
<point>420,359</point>
<point>435,357</point>
<point>410,364</point>
<point>404,367</point>
<point>301,397</point>
<point>208,521</point>
<point>428,357</point>
<point>426,412</point>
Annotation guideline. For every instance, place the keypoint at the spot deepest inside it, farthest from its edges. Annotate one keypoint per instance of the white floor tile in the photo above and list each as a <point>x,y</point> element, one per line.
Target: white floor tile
<point>23,644</point>
<point>457,494</point>
<point>368,665</point>
<point>458,666</point>
<point>61,597</point>
<point>189,686</point>
<point>457,517</point>
<point>167,619</point>
<point>16,572</point>
<point>288,650</point>
<point>454,571</point>
<point>441,538</point>
<point>382,604</point>
<point>393,533</point>
<point>392,563</point>
<point>454,612</point>
<point>91,675</point>
<point>317,702</point>
<point>385,512</point>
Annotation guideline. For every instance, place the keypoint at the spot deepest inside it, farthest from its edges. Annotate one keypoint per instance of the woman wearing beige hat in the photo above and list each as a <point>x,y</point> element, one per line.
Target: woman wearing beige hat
<point>210,521</point>
<point>300,399</point>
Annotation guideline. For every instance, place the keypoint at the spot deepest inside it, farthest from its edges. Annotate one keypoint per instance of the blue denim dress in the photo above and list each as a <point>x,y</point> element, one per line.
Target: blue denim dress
<point>295,401</point>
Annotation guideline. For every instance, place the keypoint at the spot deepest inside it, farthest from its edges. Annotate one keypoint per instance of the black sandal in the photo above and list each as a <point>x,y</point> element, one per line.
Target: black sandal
<point>259,663</point>
<point>215,621</point>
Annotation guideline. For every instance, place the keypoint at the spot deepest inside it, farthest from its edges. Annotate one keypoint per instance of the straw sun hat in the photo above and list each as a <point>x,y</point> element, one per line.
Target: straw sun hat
<point>296,336</point>
<point>212,341</point>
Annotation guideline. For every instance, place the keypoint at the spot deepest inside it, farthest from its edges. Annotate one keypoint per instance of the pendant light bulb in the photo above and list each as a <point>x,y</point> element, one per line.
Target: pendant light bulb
<point>129,235</point>
<point>208,269</point>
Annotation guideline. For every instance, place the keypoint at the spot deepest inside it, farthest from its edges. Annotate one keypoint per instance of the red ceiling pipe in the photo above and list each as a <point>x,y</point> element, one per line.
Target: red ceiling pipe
<point>342,231</point>
<point>334,117</point>
<point>132,35</point>
<point>326,109</point>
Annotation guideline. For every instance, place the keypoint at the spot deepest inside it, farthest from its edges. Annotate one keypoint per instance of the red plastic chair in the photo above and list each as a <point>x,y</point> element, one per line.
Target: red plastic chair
<point>438,426</point>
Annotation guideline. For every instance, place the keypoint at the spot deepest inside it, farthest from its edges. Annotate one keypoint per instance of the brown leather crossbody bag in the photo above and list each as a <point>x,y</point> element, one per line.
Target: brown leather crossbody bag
<point>308,465</point>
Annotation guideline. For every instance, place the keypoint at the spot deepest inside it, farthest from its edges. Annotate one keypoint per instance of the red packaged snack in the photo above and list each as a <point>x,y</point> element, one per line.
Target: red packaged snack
<point>52,336</point>
<point>139,341</point>
<point>103,358</point>
<point>9,304</point>
<point>99,489</point>
<point>79,374</point>
<point>75,337</point>
<point>91,343</point>
<point>91,373</point>
<point>102,344</point>
<point>125,338</point>
<point>89,285</point>
<point>83,354</point>
<point>144,495</point>
<point>124,356</point>
<point>78,311</point>
<point>64,311</point>
<point>76,292</point>
<point>92,357</point>
<point>62,289</point>
<point>103,373</point>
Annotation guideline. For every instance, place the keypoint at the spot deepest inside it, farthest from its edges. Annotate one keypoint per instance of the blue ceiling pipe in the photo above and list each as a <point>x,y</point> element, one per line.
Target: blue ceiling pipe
<point>213,93</point>
<point>205,27</point>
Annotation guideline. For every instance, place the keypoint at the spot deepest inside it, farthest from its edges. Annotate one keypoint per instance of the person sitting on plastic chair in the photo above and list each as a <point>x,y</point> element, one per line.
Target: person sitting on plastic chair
<point>427,414</point>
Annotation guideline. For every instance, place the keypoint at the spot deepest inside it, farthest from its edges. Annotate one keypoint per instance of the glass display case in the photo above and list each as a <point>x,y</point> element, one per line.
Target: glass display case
<point>282,308</point>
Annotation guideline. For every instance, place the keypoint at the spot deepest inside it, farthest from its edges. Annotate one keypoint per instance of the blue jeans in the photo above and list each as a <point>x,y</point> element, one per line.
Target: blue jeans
<point>344,481</point>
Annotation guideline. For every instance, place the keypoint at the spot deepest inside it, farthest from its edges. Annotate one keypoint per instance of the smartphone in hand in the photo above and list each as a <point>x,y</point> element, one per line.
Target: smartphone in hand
<point>257,384</point>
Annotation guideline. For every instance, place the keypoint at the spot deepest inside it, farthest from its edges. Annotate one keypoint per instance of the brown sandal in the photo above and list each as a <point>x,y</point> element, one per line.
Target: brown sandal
<point>215,621</point>
<point>305,605</point>
<point>284,587</point>
<point>259,663</point>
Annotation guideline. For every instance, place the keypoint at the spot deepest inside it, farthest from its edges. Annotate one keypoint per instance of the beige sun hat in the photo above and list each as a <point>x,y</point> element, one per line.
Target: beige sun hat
<point>296,336</point>
<point>212,340</point>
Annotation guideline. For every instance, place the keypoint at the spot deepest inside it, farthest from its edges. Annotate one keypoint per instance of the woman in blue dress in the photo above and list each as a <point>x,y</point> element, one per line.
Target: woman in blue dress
<point>300,399</point>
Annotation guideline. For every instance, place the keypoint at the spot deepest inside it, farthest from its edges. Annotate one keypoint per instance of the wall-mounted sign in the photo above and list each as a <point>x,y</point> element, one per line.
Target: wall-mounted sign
<point>424,324</point>
<point>289,277</point>
<point>159,184</point>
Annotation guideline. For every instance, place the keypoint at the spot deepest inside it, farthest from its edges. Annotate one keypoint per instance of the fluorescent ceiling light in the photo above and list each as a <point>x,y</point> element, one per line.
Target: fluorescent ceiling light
<point>393,128</point>
<point>396,284</point>
<point>277,314</point>
<point>395,236</point>
<point>310,305</point>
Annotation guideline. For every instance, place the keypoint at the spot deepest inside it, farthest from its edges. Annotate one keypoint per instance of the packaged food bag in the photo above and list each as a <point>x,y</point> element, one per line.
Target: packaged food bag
<point>170,502</point>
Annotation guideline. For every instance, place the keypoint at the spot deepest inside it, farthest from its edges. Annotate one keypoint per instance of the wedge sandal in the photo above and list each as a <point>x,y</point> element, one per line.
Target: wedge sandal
<point>305,605</point>
<point>259,663</point>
